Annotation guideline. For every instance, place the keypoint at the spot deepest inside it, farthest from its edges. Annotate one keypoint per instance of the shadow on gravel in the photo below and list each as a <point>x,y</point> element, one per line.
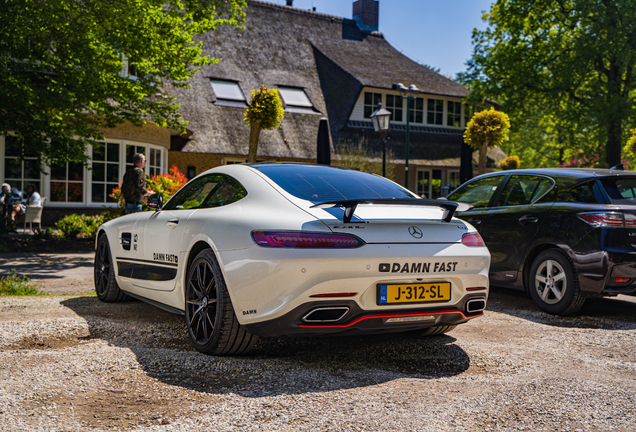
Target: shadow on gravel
<point>276,366</point>
<point>44,267</point>
<point>608,313</point>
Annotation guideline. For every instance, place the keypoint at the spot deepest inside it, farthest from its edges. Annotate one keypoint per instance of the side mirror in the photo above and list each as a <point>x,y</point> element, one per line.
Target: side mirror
<point>155,201</point>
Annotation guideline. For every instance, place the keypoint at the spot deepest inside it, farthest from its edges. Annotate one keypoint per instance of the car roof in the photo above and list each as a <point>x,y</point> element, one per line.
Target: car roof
<point>568,172</point>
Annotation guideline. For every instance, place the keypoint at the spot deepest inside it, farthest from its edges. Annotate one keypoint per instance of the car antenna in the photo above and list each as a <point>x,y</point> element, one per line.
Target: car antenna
<point>618,167</point>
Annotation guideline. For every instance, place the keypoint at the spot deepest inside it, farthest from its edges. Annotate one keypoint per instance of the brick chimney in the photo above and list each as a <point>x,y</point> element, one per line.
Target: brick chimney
<point>366,14</point>
<point>290,2</point>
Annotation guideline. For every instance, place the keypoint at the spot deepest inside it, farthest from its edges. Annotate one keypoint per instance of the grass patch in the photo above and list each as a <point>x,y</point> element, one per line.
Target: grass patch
<point>14,285</point>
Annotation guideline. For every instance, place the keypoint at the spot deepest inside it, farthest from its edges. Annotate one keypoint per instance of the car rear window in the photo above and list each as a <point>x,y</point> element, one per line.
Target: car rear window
<point>319,184</point>
<point>621,190</point>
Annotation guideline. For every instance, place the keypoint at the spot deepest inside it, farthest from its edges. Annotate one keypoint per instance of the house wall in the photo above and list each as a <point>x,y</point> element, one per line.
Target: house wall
<point>148,133</point>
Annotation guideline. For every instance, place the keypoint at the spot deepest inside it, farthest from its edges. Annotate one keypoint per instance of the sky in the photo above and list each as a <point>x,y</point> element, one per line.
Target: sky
<point>432,32</point>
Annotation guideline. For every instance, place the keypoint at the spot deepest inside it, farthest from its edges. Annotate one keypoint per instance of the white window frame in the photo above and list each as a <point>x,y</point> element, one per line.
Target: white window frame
<point>68,182</point>
<point>414,110</point>
<point>357,113</point>
<point>395,106</point>
<point>449,174</point>
<point>373,105</point>
<point>291,92</point>
<point>106,163</point>
<point>233,160</point>
<point>435,112</point>
<point>418,189</point>
<point>87,183</point>
<point>456,115</point>
<point>23,180</point>
<point>220,95</point>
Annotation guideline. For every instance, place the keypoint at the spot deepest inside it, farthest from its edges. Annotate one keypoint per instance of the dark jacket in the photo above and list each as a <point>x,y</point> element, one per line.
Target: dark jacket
<point>134,185</point>
<point>7,203</point>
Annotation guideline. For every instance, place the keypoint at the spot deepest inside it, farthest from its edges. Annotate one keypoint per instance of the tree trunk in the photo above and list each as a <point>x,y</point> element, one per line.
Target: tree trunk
<point>614,135</point>
<point>255,131</point>
<point>483,152</point>
<point>616,115</point>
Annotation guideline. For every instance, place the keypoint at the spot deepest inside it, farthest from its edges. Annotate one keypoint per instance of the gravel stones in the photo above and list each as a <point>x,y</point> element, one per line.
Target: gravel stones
<point>73,363</point>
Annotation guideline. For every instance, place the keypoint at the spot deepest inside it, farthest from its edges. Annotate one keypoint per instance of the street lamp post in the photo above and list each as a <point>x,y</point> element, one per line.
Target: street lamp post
<point>381,119</point>
<point>410,93</point>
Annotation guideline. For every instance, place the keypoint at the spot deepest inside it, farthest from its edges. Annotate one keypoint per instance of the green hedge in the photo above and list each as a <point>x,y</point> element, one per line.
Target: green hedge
<point>73,225</point>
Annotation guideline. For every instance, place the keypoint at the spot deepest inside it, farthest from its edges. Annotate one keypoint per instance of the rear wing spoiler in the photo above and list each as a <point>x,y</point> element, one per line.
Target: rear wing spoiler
<point>450,207</point>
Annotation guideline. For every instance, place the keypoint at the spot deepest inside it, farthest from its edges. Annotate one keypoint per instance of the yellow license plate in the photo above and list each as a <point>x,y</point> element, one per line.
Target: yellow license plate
<point>414,293</point>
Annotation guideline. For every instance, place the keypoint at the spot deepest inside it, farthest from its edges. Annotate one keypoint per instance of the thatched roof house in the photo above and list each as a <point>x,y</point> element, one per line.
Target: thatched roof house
<point>325,66</point>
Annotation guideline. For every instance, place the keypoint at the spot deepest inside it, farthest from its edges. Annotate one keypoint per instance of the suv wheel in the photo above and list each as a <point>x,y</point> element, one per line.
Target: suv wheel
<point>553,284</point>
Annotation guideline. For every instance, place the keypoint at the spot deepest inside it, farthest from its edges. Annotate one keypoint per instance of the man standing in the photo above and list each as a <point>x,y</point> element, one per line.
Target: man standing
<point>134,185</point>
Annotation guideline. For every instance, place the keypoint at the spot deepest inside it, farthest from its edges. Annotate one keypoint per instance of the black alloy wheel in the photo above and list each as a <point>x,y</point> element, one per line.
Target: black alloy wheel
<point>553,284</point>
<point>104,274</point>
<point>212,324</point>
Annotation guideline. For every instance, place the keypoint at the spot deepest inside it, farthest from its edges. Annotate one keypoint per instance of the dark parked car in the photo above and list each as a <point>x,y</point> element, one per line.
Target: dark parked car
<point>563,235</point>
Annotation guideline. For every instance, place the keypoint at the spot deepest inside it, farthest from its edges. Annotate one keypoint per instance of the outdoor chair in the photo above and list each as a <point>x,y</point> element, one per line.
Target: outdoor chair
<point>33,215</point>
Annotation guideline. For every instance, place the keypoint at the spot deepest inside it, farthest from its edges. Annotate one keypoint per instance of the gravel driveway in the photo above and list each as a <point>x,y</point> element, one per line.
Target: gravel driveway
<point>73,363</point>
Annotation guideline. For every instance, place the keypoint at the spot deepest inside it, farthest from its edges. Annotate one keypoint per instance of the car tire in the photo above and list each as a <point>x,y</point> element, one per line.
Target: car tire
<point>553,283</point>
<point>104,274</point>
<point>212,324</point>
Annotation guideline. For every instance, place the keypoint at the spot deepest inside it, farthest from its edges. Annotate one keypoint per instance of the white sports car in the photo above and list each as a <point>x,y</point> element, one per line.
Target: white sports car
<point>296,249</point>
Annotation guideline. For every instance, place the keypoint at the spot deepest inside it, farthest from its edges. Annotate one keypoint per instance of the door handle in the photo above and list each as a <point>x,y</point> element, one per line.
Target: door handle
<point>528,219</point>
<point>474,221</point>
<point>172,223</point>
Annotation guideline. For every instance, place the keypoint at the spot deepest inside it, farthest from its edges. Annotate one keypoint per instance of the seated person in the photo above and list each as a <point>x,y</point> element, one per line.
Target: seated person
<point>33,198</point>
<point>6,200</point>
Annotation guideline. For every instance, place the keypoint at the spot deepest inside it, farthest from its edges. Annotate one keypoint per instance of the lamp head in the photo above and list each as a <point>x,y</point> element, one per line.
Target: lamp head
<point>399,87</point>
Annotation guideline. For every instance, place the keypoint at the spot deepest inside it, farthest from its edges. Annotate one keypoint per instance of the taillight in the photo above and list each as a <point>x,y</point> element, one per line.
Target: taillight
<point>473,240</point>
<point>302,239</point>
<point>609,219</point>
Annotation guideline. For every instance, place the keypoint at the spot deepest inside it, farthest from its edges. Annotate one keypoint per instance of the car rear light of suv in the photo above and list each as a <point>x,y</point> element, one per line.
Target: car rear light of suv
<point>303,239</point>
<point>609,219</point>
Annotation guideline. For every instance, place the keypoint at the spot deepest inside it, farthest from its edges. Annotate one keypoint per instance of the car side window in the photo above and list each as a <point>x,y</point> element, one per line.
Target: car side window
<point>225,192</point>
<point>208,191</point>
<point>477,193</point>
<point>524,190</point>
<point>587,193</point>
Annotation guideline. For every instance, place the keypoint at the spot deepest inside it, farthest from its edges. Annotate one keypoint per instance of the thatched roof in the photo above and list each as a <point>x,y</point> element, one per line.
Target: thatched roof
<point>328,56</point>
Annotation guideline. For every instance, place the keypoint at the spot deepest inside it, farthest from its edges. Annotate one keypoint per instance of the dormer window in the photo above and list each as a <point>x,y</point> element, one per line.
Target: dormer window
<point>228,93</point>
<point>296,100</point>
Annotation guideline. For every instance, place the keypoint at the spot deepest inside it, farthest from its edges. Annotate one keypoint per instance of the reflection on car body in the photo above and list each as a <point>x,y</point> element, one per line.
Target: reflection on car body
<point>563,235</point>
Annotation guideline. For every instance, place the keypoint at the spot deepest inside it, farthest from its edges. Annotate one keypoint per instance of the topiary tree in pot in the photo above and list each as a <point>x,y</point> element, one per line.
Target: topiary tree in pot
<point>488,128</point>
<point>265,111</point>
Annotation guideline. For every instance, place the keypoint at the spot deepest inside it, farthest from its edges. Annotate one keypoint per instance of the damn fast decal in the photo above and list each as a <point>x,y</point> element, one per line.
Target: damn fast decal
<point>436,267</point>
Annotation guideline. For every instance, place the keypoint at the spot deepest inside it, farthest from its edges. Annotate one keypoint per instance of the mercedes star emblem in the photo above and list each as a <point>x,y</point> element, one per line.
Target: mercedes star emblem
<point>416,232</point>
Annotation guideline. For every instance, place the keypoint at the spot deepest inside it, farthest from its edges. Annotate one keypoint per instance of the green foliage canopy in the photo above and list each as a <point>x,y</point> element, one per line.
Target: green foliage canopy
<point>62,77</point>
<point>567,66</point>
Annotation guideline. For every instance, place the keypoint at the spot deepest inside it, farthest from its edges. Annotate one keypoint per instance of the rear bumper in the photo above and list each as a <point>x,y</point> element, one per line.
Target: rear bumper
<point>358,321</point>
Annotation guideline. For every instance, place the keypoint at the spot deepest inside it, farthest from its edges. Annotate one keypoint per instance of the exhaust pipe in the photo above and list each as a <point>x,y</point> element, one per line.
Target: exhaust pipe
<point>326,314</point>
<point>475,305</point>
